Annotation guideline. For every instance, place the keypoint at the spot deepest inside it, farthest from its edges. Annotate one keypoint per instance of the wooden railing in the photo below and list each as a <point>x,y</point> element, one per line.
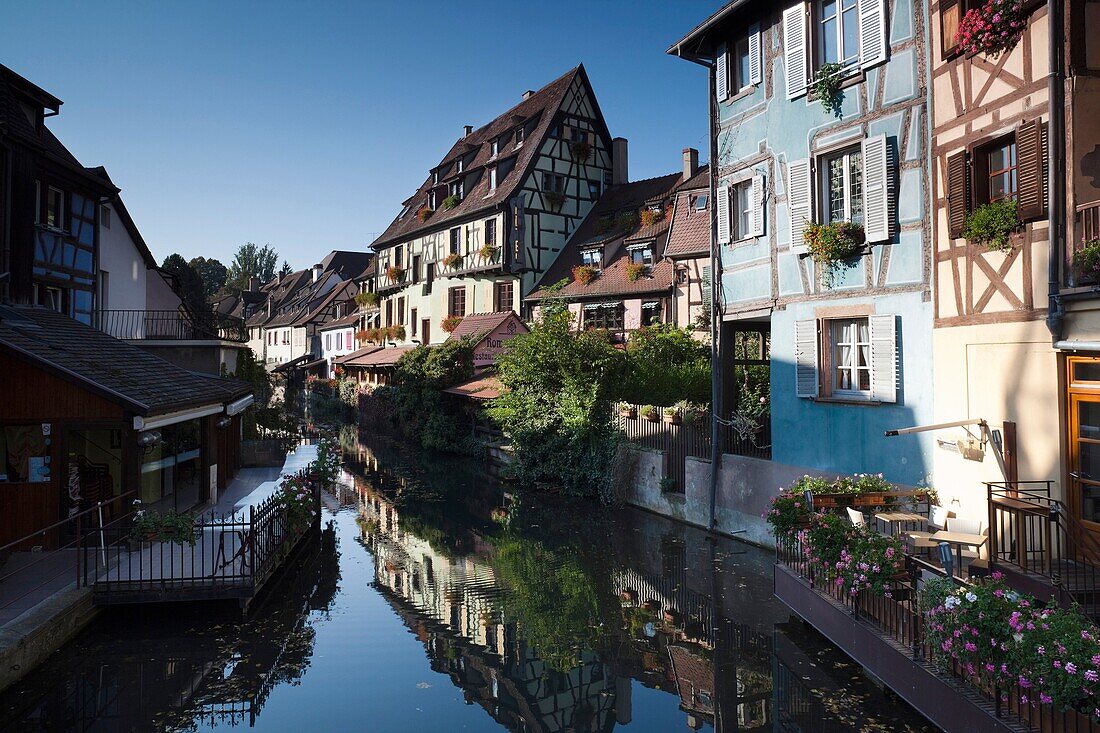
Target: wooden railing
<point>170,325</point>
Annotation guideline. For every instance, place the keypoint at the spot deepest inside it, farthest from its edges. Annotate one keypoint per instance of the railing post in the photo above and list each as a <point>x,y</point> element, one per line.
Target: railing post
<point>918,617</point>
<point>1052,520</point>
<point>79,549</point>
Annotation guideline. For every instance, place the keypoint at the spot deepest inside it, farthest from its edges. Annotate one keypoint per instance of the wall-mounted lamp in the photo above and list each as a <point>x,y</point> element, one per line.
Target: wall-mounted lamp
<point>224,421</point>
<point>150,438</point>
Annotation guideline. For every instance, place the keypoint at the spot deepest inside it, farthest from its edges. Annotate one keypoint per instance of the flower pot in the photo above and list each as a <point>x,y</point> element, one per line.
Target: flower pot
<point>628,412</point>
<point>653,417</point>
<point>674,418</point>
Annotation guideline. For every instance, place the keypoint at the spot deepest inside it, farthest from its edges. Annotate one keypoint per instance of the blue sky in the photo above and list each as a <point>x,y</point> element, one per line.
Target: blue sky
<point>304,125</point>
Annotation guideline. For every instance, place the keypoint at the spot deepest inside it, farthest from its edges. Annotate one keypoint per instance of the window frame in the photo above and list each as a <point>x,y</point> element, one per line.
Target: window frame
<point>823,205</point>
<point>490,232</point>
<point>456,300</point>
<point>501,288</point>
<point>616,321</point>
<point>454,241</point>
<point>741,60</point>
<point>857,348</point>
<point>817,38</point>
<point>492,178</point>
<point>736,190</point>
<point>644,249</point>
<point>590,261</point>
<point>980,172</point>
<point>59,224</point>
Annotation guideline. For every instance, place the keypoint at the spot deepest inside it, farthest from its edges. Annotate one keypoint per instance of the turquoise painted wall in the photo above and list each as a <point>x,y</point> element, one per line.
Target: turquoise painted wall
<point>761,131</point>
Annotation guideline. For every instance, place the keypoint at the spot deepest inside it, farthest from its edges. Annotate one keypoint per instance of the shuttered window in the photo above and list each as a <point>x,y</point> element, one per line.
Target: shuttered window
<point>958,192</point>
<point>848,32</point>
<point>877,196</point>
<point>721,74</point>
<point>1031,160</point>
<point>722,212</point>
<point>861,358</point>
<point>805,358</point>
<point>799,200</point>
<point>759,201</point>
<point>794,50</point>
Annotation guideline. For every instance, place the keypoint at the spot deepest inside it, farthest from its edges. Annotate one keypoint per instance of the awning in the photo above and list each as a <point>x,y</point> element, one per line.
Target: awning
<point>479,388</point>
<point>292,364</point>
<point>379,358</point>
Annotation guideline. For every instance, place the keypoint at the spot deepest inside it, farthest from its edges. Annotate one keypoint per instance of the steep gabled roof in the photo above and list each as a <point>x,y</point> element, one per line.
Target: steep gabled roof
<point>476,325</point>
<point>689,233</point>
<point>540,106</point>
<point>613,279</point>
<point>121,372</point>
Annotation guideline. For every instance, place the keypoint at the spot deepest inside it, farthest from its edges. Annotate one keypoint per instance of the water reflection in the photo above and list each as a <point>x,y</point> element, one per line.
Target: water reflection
<point>437,599</point>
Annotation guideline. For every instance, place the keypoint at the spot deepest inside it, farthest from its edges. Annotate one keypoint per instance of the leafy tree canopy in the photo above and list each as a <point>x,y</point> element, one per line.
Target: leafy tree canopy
<point>190,284</point>
<point>251,260</point>
<point>212,273</point>
<point>665,365</point>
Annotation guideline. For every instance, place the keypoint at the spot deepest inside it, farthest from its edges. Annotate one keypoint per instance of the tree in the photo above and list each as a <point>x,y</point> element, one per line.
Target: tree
<point>420,376</point>
<point>285,269</point>
<point>557,407</point>
<point>189,284</point>
<point>250,261</point>
<point>212,273</point>
<point>665,365</point>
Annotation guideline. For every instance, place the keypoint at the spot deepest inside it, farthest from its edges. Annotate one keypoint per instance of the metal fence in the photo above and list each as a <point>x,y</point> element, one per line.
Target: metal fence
<point>170,325</point>
<point>232,555</point>
<point>900,618</point>
<point>682,435</point>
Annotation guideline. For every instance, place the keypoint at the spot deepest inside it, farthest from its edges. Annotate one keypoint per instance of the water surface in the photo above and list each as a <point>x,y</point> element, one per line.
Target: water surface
<point>436,599</point>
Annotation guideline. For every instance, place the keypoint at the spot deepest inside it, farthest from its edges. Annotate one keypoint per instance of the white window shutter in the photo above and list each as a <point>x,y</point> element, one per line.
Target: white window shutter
<point>721,74</point>
<point>707,287</point>
<point>876,193</point>
<point>884,358</point>
<point>805,358</point>
<point>800,199</point>
<point>794,49</point>
<point>756,61</point>
<point>758,197</point>
<point>872,32</point>
<point>722,211</point>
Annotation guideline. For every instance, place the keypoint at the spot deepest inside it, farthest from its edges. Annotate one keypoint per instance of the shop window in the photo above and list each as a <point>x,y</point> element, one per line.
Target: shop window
<point>609,316</point>
<point>25,453</point>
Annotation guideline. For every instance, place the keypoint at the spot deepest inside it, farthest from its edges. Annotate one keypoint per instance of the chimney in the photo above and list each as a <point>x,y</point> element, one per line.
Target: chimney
<point>528,93</point>
<point>317,272</point>
<point>619,174</point>
<point>269,302</point>
<point>253,284</point>
<point>691,162</point>
<point>466,130</point>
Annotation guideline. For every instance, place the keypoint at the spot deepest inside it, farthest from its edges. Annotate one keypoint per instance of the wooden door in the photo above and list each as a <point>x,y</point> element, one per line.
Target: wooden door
<point>1083,438</point>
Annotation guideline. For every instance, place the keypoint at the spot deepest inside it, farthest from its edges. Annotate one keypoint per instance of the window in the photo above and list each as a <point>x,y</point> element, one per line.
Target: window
<point>641,254</point>
<point>842,179</point>
<point>594,190</point>
<point>577,135</point>
<point>592,257</point>
<point>457,189</point>
<point>401,310</point>
<point>608,316</point>
<point>851,355</point>
<point>742,70</point>
<point>460,165</point>
<point>741,200</point>
<point>435,178</point>
<point>456,241</point>
<point>701,202</point>
<point>838,32</point>
<point>494,148</point>
<point>651,312</point>
<point>503,296</point>
<point>456,301</point>
<point>998,163</point>
<point>429,276</point>
<point>553,182</point>
<point>104,289</point>
<point>413,323</point>
<point>398,256</point>
<point>328,342</point>
<point>415,275</point>
<point>951,14</point>
<point>55,208</point>
<point>431,200</point>
<point>105,216</point>
<point>521,135</point>
<point>490,232</point>
<point>492,178</point>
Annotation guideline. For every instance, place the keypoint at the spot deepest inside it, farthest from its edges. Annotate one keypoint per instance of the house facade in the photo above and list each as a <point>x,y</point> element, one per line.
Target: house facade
<point>850,338</point>
<point>491,218</point>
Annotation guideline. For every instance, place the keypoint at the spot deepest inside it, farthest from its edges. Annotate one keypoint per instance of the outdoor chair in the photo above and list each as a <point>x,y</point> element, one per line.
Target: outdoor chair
<point>856,517</point>
<point>969,526</point>
<point>921,540</point>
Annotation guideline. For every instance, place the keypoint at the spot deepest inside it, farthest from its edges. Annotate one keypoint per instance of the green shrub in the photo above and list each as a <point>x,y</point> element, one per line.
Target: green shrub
<point>665,365</point>
<point>991,225</point>
<point>450,202</point>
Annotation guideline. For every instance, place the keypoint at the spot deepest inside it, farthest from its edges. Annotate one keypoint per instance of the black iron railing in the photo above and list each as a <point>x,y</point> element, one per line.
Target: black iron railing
<point>171,325</point>
<point>232,555</point>
<point>900,618</point>
<point>1034,533</point>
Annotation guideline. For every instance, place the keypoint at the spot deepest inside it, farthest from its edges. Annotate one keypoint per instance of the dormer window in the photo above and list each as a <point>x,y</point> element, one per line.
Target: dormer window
<point>55,208</point>
<point>641,254</point>
<point>460,165</point>
<point>457,189</point>
<point>492,178</point>
<point>592,258</point>
<point>701,202</point>
<point>435,178</point>
<point>520,135</point>
<point>494,148</point>
<point>431,200</point>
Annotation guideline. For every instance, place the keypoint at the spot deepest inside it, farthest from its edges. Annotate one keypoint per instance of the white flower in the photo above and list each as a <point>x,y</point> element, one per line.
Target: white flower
<point>951,602</point>
<point>970,596</point>
<point>1018,637</point>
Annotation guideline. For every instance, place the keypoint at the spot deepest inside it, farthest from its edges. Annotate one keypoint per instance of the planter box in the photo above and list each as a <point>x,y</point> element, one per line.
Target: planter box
<point>653,417</point>
<point>630,413</point>
<point>674,419</point>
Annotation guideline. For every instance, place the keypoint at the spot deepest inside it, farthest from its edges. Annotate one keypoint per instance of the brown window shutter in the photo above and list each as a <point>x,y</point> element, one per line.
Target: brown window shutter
<point>958,193</point>
<point>1030,158</point>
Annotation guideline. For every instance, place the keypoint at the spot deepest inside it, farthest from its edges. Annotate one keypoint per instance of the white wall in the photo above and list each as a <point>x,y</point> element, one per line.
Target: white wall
<point>121,259</point>
<point>329,340</point>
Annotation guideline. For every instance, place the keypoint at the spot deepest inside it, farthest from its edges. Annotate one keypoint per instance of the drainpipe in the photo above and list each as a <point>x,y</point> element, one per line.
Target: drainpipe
<point>5,253</point>
<point>715,313</point>
<point>1057,179</point>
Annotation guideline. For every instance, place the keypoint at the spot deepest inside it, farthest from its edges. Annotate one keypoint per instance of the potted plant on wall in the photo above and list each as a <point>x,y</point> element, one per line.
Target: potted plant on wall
<point>831,245</point>
<point>635,271</point>
<point>584,274</point>
<point>153,526</point>
<point>1086,260</point>
<point>450,202</point>
<point>487,252</point>
<point>453,260</point>
<point>991,225</point>
<point>649,412</point>
<point>395,274</point>
<point>992,29</point>
<point>649,217</point>
<point>424,213</point>
<point>673,416</point>
<point>366,300</point>
<point>826,87</point>
<point>580,151</point>
<point>628,410</point>
<point>397,333</point>
<point>450,323</point>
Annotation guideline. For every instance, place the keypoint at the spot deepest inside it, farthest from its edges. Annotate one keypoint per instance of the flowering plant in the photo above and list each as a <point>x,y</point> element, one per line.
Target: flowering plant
<point>454,259</point>
<point>580,150</point>
<point>991,224</point>
<point>395,273</point>
<point>1087,259</point>
<point>295,498</point>
<point>487,251</point>
<point>584,274</point>
<point>634,271</point>
<point>450,323</point>
<point>425,213</point>
<point>649,217</point>
<point>994,28</point>
<point>830,244</point>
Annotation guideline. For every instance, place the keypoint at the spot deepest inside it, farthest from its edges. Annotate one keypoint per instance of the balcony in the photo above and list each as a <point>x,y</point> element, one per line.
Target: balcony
<point>169,325</point>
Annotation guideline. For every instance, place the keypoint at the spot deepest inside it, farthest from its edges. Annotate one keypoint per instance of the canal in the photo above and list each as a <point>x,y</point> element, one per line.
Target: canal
<point>436,599</point>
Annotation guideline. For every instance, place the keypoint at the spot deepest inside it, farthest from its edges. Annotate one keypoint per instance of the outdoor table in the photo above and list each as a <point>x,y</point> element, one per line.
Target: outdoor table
<point>959,540</point>
<point>896,519</point>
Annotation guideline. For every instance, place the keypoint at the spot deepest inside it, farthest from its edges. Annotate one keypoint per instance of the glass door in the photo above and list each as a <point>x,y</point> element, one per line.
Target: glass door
<point>1083,439</point>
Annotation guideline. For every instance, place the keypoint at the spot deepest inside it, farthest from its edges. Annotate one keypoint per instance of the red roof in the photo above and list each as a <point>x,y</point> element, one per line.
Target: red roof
<point>478,388</point>
<point>377,357</point>
<point>480,324</point>
<point>690,232</point>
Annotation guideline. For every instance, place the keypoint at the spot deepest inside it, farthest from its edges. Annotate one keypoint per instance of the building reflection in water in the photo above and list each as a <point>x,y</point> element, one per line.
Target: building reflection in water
<point>664,601</point>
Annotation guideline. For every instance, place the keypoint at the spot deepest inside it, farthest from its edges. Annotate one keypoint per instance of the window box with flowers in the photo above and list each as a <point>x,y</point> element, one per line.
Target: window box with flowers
<point>584,274</point>
<point>555,200</point>
<point>673,415</point>
<point>395,274</point>
<point>453,260</point>
<point>635,271</point>
<point>832,245</point>
<point>992,29</point>
<point>992,225</point>
<point>395,333</point>
<point>649,217</point>
<point>580,151</point>
<point>628,410</point>
<point>366,300</point>
<point>450,323</point>
<point>450,202</point>
<point>487,253</point>
<point>424,214</point>
<point>649,412</point>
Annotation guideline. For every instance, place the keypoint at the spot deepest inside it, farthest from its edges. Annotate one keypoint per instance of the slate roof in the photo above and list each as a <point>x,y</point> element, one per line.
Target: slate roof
<point>613,280</point>
<point>121,372</point>
<point>475,148</point>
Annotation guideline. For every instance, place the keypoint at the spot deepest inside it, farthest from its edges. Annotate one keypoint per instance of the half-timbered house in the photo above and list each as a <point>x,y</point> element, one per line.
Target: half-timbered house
<point>850,336</point>
<point>491,218</point>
